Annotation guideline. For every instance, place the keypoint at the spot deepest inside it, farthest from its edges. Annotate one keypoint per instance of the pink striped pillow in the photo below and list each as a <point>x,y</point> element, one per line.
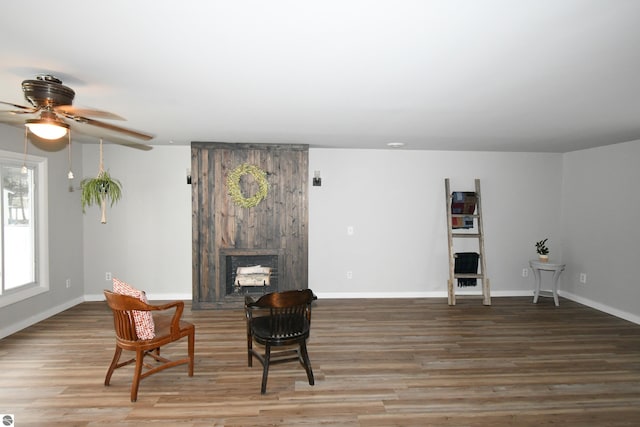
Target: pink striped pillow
<point>145,328</point>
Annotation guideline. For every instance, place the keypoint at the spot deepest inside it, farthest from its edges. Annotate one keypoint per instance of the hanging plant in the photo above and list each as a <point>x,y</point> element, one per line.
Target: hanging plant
<point>233,184</point>
<point>98,190</point>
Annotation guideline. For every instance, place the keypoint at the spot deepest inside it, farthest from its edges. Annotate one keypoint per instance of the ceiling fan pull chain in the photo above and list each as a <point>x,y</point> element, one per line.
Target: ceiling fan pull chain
<point>24,160</point>
<point>70,174</point>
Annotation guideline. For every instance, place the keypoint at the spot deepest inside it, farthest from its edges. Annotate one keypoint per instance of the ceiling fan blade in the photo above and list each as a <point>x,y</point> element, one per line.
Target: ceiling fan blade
<point>131,144</point>
<point>108,126</point>
<point>17,112</point>
<point>11,119</point>
<point>21,108</point>
<point>70,111</point>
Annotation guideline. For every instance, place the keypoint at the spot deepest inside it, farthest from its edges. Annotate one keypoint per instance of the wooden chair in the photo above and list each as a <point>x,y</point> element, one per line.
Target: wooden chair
<point>279,319</point>
<point>167,330</point>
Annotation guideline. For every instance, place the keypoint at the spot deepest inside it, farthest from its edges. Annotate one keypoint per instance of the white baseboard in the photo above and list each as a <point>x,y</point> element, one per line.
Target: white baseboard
<point>342,295</point>
<point>150,297</point>
<point>432,294</point>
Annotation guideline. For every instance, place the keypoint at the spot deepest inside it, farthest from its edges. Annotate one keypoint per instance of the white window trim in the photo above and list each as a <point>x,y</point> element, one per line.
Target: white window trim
<point>42,224</point>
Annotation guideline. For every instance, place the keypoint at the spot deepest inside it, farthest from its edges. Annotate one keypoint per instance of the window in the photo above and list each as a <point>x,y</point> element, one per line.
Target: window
<point>23,243</point>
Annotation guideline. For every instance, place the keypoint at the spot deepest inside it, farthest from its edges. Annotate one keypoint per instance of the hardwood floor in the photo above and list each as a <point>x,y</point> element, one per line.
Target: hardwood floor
<point>376,363</point>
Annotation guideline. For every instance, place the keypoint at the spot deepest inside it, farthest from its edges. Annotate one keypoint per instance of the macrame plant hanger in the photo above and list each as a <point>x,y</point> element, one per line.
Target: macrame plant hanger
<point>103,201</point>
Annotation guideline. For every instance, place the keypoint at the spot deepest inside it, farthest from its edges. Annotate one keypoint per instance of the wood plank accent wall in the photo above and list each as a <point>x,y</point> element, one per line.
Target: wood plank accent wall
<point>280,222</point>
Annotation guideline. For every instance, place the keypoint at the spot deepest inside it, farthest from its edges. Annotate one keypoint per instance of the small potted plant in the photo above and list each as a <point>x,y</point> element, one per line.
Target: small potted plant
<point>542,250</point>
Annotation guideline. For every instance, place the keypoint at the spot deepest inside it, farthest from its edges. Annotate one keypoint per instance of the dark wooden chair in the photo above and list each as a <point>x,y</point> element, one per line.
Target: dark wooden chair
<point>279,319</point>
<point>167,330</point>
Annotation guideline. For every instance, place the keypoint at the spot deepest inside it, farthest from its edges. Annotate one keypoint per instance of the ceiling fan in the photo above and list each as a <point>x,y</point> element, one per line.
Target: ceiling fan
<point>51,104</point>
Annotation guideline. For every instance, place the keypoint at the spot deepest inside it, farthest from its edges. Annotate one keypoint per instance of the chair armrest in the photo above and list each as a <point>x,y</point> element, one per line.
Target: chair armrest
<point>177,315</point>
<point>249,304</point>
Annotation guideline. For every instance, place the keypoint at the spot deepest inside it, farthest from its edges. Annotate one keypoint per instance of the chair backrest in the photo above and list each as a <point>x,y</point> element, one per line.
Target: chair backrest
<point>123,307</point>
<point>289,312</point>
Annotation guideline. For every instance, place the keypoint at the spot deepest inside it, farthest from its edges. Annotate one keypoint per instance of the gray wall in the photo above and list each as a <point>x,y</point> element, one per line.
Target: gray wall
<point>393,199</point>
<point>147,238</point>
<point>601,210</point>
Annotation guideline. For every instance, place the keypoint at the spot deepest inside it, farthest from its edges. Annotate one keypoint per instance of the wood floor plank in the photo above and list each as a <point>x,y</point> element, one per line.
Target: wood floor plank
<point>377,362</point>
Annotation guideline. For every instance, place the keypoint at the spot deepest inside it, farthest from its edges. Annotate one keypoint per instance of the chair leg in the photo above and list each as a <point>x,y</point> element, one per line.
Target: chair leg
<point>249,353</point>
<point>265,368</point>
<point>112,367</point>
<point>192,339</point>
<point>307,362</point>
<point>136,375</point>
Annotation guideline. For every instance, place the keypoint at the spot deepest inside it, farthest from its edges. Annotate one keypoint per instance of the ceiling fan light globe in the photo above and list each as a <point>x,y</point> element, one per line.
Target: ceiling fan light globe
<point>46,129</point>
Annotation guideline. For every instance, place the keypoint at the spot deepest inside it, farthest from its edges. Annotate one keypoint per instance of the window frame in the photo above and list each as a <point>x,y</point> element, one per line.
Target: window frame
<point>41,284</point>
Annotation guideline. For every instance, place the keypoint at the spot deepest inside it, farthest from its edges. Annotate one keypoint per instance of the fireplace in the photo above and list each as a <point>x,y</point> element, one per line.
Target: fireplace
<point>278,225</point>
<point>232,287</point>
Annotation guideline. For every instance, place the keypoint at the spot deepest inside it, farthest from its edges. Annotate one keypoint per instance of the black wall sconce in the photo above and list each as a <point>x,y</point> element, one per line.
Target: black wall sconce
<point>188,176</point>
<point>317,181</point>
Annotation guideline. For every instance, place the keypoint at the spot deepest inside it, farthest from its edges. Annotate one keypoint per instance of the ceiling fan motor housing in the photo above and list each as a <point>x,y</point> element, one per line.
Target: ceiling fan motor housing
<point>47,92</point>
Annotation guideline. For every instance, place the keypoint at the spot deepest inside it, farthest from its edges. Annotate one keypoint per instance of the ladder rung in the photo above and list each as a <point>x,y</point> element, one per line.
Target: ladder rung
<point>451,194</point>
<point>468,276</point>
<point>465,234</point>
<point>455,256</point>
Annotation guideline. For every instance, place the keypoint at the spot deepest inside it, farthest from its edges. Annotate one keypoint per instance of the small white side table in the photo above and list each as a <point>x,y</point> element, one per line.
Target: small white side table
<point>538,266</point>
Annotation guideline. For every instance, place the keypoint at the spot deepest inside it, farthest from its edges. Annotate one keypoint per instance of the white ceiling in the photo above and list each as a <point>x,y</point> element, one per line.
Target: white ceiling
<point>508,75</point>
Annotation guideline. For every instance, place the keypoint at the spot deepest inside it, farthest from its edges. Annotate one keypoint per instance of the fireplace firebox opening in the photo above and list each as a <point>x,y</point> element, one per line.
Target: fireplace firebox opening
<point>259,273</point>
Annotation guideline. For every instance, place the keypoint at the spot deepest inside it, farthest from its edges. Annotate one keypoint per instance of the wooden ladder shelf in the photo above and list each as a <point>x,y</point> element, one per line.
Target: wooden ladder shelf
<point>479,234</point>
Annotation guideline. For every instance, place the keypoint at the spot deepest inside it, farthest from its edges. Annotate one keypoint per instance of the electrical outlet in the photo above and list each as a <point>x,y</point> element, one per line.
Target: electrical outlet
<point>107,276</point>
<point>68,283</point>
<point>349,274</point>
<point>350,230</point>
<point>583,278</point>
<point>525,272</point>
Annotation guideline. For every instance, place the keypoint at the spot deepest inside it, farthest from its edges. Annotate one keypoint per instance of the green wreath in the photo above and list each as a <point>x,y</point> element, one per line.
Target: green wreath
<point>233,182</point>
